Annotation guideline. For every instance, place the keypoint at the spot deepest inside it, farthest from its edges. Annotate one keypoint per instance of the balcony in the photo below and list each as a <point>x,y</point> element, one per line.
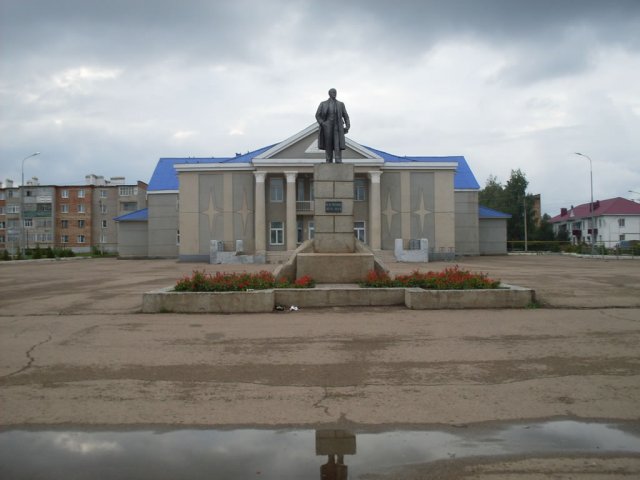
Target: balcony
<point>305,207</point>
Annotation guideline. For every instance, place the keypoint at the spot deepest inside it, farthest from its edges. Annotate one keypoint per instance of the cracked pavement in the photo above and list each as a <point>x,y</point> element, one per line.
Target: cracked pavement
<point>75,351</point>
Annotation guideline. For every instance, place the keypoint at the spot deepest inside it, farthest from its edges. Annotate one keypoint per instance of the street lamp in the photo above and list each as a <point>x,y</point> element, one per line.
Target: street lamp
<point>593,223</point>
<point>22,242</point>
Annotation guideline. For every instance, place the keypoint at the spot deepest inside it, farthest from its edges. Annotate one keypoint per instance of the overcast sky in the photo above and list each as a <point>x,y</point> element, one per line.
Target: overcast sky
<point>108,87</point>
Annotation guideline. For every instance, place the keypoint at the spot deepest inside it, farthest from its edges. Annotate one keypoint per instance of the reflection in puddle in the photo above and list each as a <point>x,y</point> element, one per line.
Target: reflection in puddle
<point>271,454</point>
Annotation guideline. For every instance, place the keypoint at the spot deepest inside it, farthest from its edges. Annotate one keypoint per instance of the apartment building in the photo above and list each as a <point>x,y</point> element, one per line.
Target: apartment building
<point>77,217</point>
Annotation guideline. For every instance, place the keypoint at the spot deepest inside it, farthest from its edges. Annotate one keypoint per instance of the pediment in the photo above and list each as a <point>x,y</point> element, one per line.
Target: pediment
<point>303,146</point>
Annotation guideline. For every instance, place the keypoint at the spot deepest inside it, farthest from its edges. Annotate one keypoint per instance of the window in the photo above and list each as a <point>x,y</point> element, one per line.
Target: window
<point>103,208</point>
<point>80,238</point>
<point>312,230</point>
<point>80,223</point>
<point>621,222</point>
<point>43,237</point>
<point>3,225</point>
<point>129,206</point>
<point>2,196</point>
<point>64,238</point>
<point>28,193</point>
<point>127,191</point>
<point>1,210</point>
<point>80,208</point>
<point>359,189</point>
<point>64,224</point>
<point>81,193</point>
<point>103,238</point>
<point>276,189</point>
<point>300,190</point>
<point>64,208</point>
<point>359,231</point>
<point>621,238</point>
<point>276,233</point>
<point>2,240</point>
<point>28,222</point>
<point>103,194</point>
<point>10,194</point>
<point>12,223</point>
<point>104,224</point>
<point>13,208</point>
<point>178,238</point>
<point>64,193</point>
<point>300,234</point>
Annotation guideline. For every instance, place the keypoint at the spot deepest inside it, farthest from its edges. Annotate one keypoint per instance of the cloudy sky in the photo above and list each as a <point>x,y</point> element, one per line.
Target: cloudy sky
<point>108,87</point>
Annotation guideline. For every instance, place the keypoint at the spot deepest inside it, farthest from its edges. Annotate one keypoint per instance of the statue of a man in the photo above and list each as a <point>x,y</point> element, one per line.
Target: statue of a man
<point>333,119</point>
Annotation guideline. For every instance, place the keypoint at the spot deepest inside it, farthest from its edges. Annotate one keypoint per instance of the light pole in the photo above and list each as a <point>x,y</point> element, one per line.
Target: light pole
<point>22,242</point>
<point>593,223</point>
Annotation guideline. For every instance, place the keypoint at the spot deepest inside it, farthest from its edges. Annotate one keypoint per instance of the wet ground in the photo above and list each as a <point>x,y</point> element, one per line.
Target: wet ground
<point>295,454</point>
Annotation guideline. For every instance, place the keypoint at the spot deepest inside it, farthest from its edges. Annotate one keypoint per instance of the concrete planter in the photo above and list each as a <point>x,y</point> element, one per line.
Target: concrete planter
<point>339,297</point>
<point>260,301</point>
<point>508,296</point>
<point>168,300</point>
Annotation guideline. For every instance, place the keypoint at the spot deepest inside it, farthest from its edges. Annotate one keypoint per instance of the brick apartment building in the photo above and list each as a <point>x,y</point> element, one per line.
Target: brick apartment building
<point>77,217</point>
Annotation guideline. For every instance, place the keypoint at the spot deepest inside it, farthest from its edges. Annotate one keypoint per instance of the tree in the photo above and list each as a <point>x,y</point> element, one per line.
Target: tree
<point>512,199</point>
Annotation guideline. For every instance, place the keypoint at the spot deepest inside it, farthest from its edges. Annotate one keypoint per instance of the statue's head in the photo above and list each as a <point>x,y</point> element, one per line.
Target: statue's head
<point>333,93</point>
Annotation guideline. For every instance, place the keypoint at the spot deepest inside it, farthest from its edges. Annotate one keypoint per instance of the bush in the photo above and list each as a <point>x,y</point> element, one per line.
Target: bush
<point>49,252</point>
<point>449,279</point>
<point>200,281</point>
<point>36,253</point>
<point>6,256</point>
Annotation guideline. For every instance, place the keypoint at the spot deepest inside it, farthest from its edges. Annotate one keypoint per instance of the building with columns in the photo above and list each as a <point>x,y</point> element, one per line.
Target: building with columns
<point>265,198</point>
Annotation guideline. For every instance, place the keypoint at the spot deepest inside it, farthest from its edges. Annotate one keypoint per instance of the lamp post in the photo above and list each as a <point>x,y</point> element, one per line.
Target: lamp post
<point>22,242</point>
<point>593,223</point>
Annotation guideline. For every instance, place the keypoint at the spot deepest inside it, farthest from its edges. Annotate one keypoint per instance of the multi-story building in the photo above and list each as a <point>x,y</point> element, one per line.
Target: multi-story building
<point>616,219</point>
<point>77,217</point>
<point>86,212</point>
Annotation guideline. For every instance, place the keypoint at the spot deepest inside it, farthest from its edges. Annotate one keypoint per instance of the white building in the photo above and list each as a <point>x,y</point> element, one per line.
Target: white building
<point>616,219</point>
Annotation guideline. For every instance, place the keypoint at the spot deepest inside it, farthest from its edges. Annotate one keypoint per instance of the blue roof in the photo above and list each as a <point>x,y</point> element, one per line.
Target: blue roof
<point>165,177</point>
<point>137,216</point>
<point>462,180</point>
<point>484,212</point>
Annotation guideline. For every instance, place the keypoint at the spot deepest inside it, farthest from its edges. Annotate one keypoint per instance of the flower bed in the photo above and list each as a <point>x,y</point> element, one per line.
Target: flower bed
<point>449,279</point>
<point>200,281</point>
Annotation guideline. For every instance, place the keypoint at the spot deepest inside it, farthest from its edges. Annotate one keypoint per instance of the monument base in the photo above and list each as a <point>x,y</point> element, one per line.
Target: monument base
<point>335,267</point>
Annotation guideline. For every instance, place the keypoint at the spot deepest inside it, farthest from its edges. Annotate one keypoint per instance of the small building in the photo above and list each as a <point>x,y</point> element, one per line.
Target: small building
<point>493,231</point>
<point>616,219</point>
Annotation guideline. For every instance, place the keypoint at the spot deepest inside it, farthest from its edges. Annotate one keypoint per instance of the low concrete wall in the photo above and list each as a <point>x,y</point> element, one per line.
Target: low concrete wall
<point>257,301</point>
<point>508,296</point>
<point>339,297</point>
<point>167,300</point>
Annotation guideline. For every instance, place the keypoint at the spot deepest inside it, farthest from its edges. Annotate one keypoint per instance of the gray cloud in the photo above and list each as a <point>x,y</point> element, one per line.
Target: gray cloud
<point>114,85</point>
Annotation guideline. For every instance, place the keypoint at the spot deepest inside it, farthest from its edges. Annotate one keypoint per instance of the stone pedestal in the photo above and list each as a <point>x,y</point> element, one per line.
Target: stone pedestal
<point>334,258</point>
<point>333,216</point>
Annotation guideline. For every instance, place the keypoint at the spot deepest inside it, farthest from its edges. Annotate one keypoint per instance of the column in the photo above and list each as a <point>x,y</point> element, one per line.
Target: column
<point>375,232</point>
<point>260,230</point>
<point>291,226</point>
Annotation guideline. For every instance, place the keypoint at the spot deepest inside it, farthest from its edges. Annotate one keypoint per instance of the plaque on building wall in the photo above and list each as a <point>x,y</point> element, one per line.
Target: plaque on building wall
<point>333,207</point>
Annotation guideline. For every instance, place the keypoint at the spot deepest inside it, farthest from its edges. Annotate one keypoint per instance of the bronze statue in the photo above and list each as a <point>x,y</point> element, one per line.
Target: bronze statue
<point>333,119</point>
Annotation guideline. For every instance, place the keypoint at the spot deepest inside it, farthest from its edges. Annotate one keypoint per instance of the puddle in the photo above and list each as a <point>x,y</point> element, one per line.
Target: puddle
<point>284,454</point>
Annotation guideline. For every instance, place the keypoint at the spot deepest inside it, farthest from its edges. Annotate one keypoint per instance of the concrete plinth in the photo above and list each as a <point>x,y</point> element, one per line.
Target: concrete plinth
<point>333,215</point>
<point>334,267</point>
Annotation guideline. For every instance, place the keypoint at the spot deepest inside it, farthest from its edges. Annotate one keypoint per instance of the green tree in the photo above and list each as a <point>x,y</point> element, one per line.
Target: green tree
<point>512,199</point>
